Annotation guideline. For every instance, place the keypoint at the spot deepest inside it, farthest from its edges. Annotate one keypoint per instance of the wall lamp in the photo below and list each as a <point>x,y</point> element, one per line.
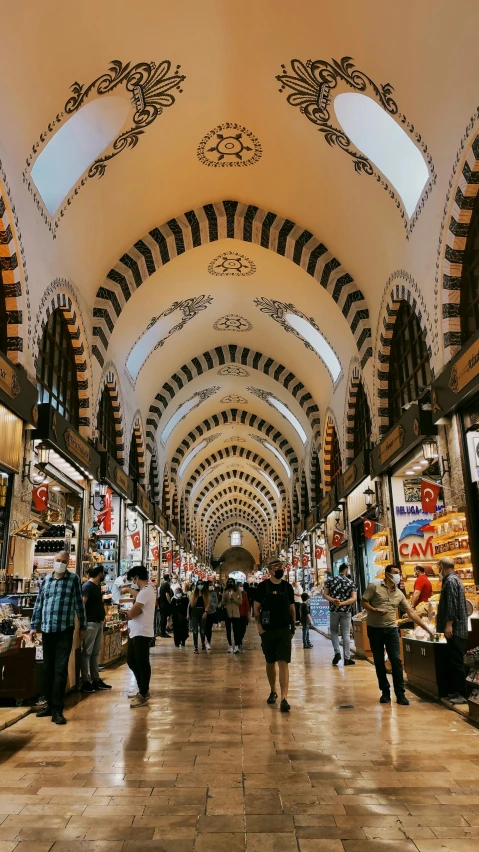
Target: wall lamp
<point>368,496</point>
<point>430,453</point>
<point>43,455</point>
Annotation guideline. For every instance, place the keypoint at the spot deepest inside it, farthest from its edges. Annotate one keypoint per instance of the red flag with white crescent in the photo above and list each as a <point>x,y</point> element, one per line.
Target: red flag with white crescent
<point>178,562</point>
<point>154,552</point>
<point>40,497</point>
<point>168,556</point>
<point>338,538</point>
<point>318,551</point>
<point>429,495</point>
<point>295,561</point>
<point>305,561</point>
<point>369,527</point>
<point>136,540</point>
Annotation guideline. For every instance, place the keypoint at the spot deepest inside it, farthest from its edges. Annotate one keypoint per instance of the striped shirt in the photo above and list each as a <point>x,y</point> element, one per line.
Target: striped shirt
<point>57,604</point>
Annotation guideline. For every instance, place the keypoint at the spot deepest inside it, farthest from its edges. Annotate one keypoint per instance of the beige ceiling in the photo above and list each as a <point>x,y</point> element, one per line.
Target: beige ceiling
<point>230,55</point>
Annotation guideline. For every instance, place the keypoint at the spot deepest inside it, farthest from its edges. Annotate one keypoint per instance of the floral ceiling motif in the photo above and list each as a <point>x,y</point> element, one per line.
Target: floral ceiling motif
<point>233,370</point>
<point>235,439</point>
<point>232,263</point>
<point>234,398</point>
<point>229,145</point>
<point>232,322</point>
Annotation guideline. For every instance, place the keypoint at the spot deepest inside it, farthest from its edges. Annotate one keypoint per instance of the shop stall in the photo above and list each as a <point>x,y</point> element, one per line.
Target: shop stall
<point>354,487</point>
<point>138,515</point>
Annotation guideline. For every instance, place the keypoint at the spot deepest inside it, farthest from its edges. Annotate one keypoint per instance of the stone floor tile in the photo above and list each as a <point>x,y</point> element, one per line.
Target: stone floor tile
<point>284,842</point>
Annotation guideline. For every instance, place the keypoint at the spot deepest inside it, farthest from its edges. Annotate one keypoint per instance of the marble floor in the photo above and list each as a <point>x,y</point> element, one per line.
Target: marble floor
<point>209,767</point>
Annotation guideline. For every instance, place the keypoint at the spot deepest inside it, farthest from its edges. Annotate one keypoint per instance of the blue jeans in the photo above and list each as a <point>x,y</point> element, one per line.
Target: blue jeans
<point>387,639</point>
<point>306,639</point>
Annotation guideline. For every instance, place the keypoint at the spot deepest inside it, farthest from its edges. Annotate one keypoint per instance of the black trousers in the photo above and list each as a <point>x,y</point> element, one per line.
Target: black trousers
<point>381,639</point>
<point>243,626</point>
<point>56,653</point>
<point>456,677</point>
<point>164,612</point>
<point>138,659</point>
<point>210,620</point>
<point>236,624</point>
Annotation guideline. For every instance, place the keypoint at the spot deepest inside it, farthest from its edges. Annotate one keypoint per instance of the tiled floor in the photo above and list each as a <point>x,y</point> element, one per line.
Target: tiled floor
<point>210,767</point>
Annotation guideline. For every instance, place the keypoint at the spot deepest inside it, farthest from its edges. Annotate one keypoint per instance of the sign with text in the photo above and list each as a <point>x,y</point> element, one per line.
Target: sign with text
<point>319,609</point>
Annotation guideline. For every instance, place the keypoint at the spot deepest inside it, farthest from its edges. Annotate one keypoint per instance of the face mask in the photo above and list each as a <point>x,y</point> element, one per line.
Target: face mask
<point>211,588</point>
<point>178,593</point>
<point>135,586</point>
<point>396,578</point>
<point>200,587</point>
<point>278,573</point>
<point>59,567</point>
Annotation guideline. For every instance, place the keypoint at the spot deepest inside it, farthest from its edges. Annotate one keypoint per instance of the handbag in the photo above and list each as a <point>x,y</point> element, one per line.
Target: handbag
<point>221,614</point>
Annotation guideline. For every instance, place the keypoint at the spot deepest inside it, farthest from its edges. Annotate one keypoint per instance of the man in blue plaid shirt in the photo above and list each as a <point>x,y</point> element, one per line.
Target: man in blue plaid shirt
<point>58,601</point>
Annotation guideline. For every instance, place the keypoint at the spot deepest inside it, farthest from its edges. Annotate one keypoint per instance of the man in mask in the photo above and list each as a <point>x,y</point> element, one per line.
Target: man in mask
<point>140,622</point>
<point>58,601</point>
<point>275,616</point>
<point>452,620</point>
<point>382,600</point>
<point>95,616</point>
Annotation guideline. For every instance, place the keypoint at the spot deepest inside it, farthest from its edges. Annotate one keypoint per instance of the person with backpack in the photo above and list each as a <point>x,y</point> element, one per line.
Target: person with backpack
<point>275,615</point>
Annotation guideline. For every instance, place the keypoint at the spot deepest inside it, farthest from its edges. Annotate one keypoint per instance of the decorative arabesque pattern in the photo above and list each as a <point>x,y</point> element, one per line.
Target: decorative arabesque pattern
<point>311,84</point>
<point>233,370</point>
<point>229,146</point>
<point>232,355</point>
<point>150,86</point>
<point>200,396</point>
<point>228,220</point>
<point>232,322</point>
<point>234,399</point>
<point>278,310</point>
<point>189,309</point>
<point>231,263</point>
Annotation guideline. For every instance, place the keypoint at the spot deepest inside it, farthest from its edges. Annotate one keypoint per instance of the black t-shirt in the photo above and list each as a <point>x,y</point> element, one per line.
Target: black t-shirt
<point>275,599</point>
<point>95,611</point>
<point>165,589</point>
<point>304,612</point>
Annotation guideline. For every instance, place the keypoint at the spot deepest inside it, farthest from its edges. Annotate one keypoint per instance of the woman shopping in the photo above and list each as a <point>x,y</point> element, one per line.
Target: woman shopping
<point>199,603</point>
<point>231,601</point>
<point>211,615</point>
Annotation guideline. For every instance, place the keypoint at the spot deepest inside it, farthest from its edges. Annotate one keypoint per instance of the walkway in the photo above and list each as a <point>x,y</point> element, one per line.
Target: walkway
<point>209,761</point>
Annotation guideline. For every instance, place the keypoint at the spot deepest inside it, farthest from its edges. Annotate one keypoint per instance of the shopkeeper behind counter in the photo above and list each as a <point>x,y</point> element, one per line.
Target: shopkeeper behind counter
<point>422,587</point>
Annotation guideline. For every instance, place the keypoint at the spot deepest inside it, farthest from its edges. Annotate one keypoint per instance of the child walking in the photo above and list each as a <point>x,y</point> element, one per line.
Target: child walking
<point>305,619</point>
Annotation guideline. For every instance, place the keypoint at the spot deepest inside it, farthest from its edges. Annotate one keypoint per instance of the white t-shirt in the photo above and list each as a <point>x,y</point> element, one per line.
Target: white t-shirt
<point>142,625</point>
<point>117,587</point>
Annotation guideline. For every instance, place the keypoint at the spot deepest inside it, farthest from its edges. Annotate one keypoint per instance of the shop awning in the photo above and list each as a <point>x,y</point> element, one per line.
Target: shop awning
<point>113,473</point>
<point>60,434</point>
<point>458,381</point>
<point>354,474</point>
<point>17,392</point>
<point>414,425</point>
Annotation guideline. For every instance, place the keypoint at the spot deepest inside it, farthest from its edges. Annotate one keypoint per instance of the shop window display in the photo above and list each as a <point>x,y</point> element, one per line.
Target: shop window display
<point>56,369</point>
<point>409,368</point>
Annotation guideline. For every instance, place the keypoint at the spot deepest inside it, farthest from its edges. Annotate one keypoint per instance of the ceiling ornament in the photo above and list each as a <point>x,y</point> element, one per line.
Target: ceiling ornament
<point>311,84</point>
<point>277,310</point>
<point>200,396</point>
<point>150,86</point>
<point>232,263</point>
<point>235,439</point>
<point>233,397</point>
<point>232,322</point>
<point>235,467</point>
<point>230,145</point>
<point>189,308</point>
<point>233,370</point>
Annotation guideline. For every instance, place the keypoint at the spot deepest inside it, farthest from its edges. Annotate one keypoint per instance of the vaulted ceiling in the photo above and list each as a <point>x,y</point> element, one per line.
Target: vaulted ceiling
<point>230,210</point>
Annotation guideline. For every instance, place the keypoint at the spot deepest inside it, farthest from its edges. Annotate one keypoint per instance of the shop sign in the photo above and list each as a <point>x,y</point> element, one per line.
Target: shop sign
<point>319,611</point>
<point>299,528</point>
<point>17,392</point>
<point>465,369</point>
<point>414,423</point>
<point>77,447</point>
<point>350,476</point>
<point>8,378</point>
<point>391,444</point>
<point>312,520</point>
<point>458,381</point>
<point>328,503</point>
<point>143,504</point>
<point>121,479</point>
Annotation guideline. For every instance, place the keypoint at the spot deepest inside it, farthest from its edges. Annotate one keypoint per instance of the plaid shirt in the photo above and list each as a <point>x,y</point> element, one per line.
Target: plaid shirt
<point>57,603</point>
<point>452,606</point>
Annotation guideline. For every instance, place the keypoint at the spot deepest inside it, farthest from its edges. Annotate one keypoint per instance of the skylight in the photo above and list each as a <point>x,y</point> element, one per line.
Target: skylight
<point>180,412</point>
<point>189,457</point>
<point>284,410</point>
<point>75,146</point>
<point>273,485</point>
<point>318,342</point>
<point>278,456</point>
<point>385,143</point>
<point>155,332</point>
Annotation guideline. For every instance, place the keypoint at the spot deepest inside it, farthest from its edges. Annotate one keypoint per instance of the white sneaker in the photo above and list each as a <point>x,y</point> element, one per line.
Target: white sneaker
<point>208,646</point>
<point>230,650</point>
<point>236,650</point>
<point>133,694</point>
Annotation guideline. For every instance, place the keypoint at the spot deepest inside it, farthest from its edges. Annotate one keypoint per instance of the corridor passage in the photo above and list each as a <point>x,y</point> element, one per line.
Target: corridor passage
<point>209,767</point>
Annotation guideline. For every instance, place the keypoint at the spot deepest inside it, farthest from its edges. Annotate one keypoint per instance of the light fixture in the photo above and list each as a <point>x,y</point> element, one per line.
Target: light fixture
<point>417,467</point>
<point>42,451</point>
<point>368,496</point>
<point>409,473</point>
<point>429,449</point>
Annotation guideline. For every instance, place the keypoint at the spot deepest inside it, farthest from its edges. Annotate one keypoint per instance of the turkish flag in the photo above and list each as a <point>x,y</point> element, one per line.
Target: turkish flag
<point>178,562</point>
<point>168,556</point>
<point>295,561</point>
<point>369,527</point>
<point>40,497</point>
<point>305,561</point>
<point>318,551</point>
<point>338,538</point>
<point>429,495</point>
<point>103,518</point>
<point>136,540</point>
<point>155,552</point>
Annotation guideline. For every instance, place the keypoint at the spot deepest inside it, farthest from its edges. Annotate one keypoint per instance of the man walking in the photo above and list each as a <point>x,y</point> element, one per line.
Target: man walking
<point>382,602</point>
<point>451,620</point>
<point>140,618</point>
<point>58,601</point>
<point>340,591</point>
<point>275,616</point>
<point>164,602</point>
<point>95,616</point>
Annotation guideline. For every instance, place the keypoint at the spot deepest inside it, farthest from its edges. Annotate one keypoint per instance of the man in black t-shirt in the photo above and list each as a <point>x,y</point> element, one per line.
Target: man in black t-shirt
<point>95,616</point>
<point>275,616</point>
<point>164,602</point>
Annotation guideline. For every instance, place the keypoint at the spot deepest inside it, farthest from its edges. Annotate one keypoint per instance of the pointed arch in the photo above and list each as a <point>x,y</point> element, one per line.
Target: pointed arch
<point>235,452</point>
<point>332,455</point>
<point>234,476</point>
<point>110,383</point>
<point>12,275</point>
<point>137,445</point>
<point>154,480</point>
<point>219,221</point>
<point>165,493</point>
<point>223,526</point>
<point>356,385</point>
<point>316,485</point>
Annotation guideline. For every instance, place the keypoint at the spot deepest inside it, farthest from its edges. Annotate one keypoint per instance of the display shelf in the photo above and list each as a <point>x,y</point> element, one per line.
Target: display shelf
<point>381,563</point>
<point>457,551</point>
<point>380,547</point>
<point>459,515</point>
<point>450,536</point>
<point>382,533</point>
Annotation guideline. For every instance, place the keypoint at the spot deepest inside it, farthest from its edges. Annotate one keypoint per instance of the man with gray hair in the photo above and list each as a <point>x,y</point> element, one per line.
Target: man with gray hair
<point>275,616</point>
<point>452,620</point>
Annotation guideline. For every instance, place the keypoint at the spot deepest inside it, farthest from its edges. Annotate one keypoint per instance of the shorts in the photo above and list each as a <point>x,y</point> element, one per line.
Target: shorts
<point>276,645</point>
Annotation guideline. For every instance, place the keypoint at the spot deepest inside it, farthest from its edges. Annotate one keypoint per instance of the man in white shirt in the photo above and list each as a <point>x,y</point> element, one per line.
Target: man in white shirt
<point>140,617</point>
<point>120,585</point>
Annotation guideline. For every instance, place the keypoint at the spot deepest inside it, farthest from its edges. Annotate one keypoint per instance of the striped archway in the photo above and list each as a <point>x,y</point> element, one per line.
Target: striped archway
<point>219,221</point>
<point>111,383</point>
<point>137,435</point>
<point>222,527</point>
<point>232,477</point>
<point>235,452</point>
<point>11,276</point>
<point>355,378</point>
<point>330,429</point>
<point>233,490</point>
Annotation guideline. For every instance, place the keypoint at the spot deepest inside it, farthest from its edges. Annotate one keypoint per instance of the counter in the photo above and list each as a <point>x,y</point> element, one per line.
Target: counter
<point>425,665</point>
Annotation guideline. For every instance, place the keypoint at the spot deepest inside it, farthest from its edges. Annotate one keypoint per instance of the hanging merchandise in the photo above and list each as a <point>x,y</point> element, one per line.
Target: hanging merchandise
<point>369,527</point>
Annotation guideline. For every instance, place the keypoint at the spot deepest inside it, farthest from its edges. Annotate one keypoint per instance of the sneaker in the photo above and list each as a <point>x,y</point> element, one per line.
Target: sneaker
<point>100,685</point>
<point>58,718</point>
<point>42,714</point>
<point>203,647</point>
<point>208,646</point>
<point>273,697</point>
<point>401,699</point>
<point>230,650</point>
<point>310,645</point>
<point>196,651</point>
<point>336,659</point>
<point>284,706</point>
<point>87,687</point>
<point>349,662</point>
<point>459,699</point>
<point>236,650</point>
<point>132,694</point>
<point>139,701</point>
<point>385,698</point>
<point>452,695</point>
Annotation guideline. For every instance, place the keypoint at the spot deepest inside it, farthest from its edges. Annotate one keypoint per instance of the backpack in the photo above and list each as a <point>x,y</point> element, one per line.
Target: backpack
<point>275,606</point>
